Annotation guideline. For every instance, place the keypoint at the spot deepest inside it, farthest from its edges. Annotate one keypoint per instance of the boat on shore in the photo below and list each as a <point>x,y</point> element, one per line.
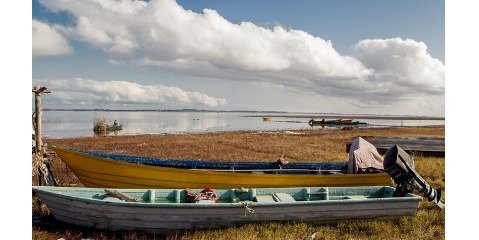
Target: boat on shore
<point>334,122</point>
<point>278,166</point>
<point>123,171</point>
<point>166,210</point>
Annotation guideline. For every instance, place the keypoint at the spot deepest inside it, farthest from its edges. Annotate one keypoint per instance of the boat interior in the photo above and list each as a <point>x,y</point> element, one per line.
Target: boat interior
<point>260,195</point>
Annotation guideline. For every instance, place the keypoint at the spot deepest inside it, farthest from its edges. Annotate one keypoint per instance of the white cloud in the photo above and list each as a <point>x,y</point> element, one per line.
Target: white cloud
<point>93,94</point>
<point>405,65</point>
<point>162,34</point>
<point>46,41</point>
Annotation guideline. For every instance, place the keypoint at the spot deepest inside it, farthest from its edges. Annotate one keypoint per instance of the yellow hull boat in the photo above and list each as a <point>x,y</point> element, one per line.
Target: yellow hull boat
<point>95,171</point>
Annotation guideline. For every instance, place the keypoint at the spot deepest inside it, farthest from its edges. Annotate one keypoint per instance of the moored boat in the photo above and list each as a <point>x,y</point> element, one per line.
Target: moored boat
<point>112,128</point>
<point>122,171</point>
<point>102,127</point>
<point>160,210</point>
<point>333,122</point>
<point>278,166</point>
<point>267,119</point>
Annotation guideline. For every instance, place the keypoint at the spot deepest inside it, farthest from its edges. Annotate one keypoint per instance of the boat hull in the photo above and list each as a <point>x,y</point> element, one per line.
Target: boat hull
<point>91,207</point>
<point>112,128</point>
<point>291,167</point>
<point>94,171</point>
<point>338,122</point>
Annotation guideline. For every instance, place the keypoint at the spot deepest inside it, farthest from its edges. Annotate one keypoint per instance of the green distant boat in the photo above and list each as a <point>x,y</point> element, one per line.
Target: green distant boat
<point>112,128</point>
<point>102,128</point>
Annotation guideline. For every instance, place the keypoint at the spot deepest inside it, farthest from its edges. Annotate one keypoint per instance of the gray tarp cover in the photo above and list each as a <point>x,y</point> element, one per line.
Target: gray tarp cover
<point>363,155</point>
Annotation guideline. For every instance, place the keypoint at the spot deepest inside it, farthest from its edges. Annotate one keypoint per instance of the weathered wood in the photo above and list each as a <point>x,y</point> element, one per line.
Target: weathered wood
<point>42,166</point>
<point>423,146</point>
<point>283,197</point>
<point>90,208</point>
<point>265,199</point>
<point>38,91</point>
<point>122,196</point>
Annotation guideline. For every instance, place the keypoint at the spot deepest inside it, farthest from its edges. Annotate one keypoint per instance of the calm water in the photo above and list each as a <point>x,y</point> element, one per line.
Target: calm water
<point>62,124</point>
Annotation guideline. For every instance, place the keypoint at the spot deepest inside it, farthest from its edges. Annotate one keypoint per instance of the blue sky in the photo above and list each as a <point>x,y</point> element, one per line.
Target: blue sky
<point>369,56</point>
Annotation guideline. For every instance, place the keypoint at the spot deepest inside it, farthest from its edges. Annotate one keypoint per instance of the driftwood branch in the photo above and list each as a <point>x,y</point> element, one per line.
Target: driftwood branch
<point>122,196</point>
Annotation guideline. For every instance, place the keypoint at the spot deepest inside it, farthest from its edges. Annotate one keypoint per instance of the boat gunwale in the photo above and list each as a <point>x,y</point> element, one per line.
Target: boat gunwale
<point>178,163</point>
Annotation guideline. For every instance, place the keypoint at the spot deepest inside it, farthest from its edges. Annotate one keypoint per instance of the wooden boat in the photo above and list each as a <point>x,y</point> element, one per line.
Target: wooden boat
<point>102,171</point>
<point>267,119</point>
<point>112,128</point>
<point>161,210</point>
<point>276,166</point>
<point>102,128</point>
<point>340,121</point>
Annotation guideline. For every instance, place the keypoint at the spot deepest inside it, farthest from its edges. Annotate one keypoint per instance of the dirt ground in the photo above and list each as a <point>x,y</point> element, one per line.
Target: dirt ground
<point>306,145</point>
<point>316,145</point>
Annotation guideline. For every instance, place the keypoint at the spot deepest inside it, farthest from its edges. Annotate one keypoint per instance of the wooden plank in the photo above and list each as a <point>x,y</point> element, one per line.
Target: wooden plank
<point>284,197</point>
<point>122,196</point>
<point>265,199</point>
<point>424,146</point>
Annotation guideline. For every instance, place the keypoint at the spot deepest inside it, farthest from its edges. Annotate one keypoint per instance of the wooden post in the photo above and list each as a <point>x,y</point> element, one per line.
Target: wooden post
<point>38,117</point>
<point>42,169</point>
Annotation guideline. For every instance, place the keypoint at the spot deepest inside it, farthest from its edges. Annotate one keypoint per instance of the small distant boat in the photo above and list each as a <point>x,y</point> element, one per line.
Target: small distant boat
<point>340,121</point>
<point>164,210</point>
<point>112,128</point>
<point>267,119</point>
<point>102,127</point>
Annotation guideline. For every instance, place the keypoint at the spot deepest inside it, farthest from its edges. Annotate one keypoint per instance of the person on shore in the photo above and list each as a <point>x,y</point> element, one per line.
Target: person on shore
<point>115,123</point>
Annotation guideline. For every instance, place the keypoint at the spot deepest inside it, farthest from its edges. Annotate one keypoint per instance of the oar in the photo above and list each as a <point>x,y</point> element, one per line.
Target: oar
<point>122,196</point>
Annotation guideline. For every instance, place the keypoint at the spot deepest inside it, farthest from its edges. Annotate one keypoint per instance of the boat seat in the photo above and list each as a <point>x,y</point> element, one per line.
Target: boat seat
<point>276,197</point>
<point>283,197</point>
<point>112,199</point>
<point>151,196</point>
<point>356,197</point>
<point>265,199</point>
<point>205,201</point>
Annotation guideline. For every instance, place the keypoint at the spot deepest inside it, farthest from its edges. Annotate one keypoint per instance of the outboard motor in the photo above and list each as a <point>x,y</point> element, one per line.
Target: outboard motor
<point>407,179</point>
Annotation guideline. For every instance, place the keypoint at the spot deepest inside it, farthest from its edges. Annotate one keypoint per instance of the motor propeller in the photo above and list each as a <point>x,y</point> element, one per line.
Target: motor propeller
<point>397,165</point>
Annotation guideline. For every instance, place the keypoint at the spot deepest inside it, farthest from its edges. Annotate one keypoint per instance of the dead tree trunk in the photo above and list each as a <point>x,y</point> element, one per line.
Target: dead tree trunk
<point>40,163</point>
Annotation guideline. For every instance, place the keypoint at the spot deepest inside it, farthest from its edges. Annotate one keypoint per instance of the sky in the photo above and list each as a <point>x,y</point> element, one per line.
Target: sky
<point>325,56</point>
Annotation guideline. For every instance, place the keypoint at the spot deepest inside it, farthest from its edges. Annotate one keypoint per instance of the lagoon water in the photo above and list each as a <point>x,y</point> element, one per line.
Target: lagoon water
<point>64,124</point>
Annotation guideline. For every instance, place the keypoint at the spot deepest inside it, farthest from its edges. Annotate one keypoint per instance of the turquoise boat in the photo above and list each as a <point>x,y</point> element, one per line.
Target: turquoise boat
<point>165,210</point>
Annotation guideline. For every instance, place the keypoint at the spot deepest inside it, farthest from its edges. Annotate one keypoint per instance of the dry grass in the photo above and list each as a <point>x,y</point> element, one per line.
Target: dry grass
<point>308,145</point>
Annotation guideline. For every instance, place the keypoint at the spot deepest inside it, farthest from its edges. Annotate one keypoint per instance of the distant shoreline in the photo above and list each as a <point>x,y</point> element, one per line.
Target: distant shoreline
<point>269,114</point>
<point>384,117</point>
